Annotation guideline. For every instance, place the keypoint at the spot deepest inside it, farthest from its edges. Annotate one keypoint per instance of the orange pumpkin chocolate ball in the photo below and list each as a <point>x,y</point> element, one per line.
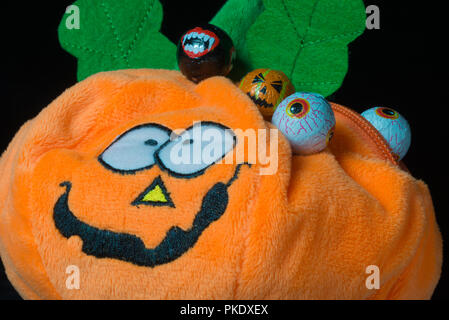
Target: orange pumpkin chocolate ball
<point>267,88</point>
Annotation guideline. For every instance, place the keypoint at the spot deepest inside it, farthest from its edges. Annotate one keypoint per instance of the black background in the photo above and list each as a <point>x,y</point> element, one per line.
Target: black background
<point>399,66</point>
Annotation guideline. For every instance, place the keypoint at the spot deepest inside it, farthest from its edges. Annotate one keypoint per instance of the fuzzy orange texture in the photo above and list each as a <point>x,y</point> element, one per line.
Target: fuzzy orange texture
<point>307,232</point>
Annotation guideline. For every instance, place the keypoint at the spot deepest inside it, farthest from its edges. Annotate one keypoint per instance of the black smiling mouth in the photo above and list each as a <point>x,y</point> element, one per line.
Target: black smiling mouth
<point>130,248</point>
<point>259,102</point>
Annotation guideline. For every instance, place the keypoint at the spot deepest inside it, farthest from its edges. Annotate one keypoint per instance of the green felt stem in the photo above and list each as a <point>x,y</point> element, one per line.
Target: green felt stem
<point>113,36</point>
<point>307,40</point>
<point>236,17</point>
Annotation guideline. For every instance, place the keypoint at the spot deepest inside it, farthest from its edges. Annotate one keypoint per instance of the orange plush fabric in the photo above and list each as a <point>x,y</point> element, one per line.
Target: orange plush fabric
<point>309,231</point>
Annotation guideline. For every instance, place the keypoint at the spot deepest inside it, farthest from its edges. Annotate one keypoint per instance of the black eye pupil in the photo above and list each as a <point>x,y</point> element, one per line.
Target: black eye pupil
<point>388,112</point>
<point>257,80</point>
<point>277,86</point>
<point>296,108</point>
<point>187,142</point>
<point>151,142</point>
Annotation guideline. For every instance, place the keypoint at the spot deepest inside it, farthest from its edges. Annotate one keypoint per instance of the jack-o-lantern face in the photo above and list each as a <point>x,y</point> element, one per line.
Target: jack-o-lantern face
<point>141,148</point>
<point>267,88</point>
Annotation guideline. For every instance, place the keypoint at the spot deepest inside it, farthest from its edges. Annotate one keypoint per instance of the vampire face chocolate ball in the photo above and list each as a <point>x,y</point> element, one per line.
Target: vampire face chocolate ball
<point>306,120</point>
<point>393,127</point>
<point>204,52</point>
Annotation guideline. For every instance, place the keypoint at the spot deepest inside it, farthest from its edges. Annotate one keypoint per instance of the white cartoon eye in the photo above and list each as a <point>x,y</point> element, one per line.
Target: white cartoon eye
<point>196,149</point>
<point>134,150</point>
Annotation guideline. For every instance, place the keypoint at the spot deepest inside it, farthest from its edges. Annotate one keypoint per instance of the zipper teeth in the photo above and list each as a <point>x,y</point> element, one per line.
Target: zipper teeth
<point>369,129</point>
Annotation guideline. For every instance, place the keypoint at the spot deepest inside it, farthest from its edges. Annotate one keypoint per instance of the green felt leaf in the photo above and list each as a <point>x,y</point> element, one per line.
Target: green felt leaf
<point>307,40</point>
<point>236,17</point>
<point>115,34</point>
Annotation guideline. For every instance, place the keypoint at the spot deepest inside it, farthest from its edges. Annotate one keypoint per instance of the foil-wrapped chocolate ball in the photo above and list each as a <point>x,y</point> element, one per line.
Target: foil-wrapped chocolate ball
<point>393,127</point>
<point>306,120</point>
<point>205,51</point>
<point>267,88</point>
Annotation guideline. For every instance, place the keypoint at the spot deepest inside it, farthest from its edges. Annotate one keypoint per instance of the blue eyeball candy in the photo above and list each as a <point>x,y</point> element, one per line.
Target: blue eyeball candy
<point>306,120</point>
<point>393,127</point>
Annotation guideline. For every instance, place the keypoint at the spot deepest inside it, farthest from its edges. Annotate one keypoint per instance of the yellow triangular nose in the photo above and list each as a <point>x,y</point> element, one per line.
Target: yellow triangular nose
<point>155,195</point>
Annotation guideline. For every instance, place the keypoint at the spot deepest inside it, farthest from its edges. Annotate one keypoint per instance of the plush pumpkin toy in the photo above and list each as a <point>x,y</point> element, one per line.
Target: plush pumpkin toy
<point>95,183</point>
<point>88,183</point>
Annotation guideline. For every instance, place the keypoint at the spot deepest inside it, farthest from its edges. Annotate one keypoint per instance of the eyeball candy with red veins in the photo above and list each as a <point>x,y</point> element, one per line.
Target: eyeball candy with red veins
<point>306,120</point>
<point>204,52</point>
<point>393,127</point>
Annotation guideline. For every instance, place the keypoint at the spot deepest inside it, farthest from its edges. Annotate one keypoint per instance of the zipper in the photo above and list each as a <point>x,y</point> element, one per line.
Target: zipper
<point>361,124</point>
